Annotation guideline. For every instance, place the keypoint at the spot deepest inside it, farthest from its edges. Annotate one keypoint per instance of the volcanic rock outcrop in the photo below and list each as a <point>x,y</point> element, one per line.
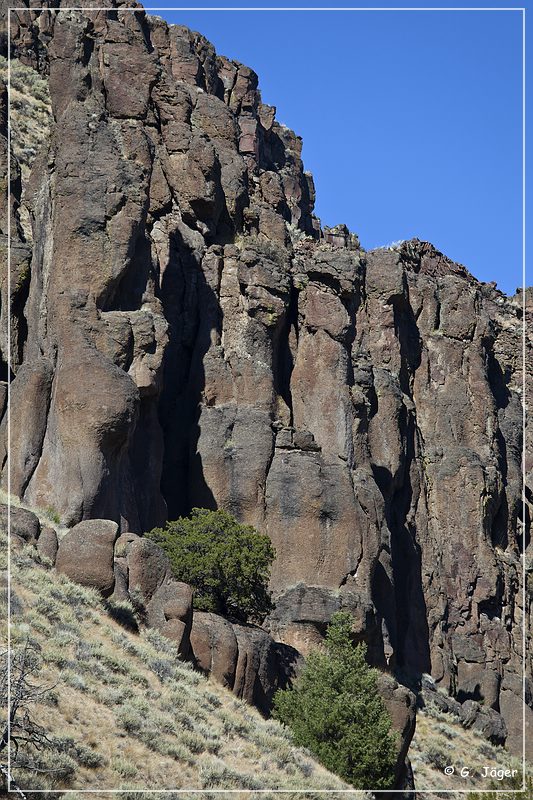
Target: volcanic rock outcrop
<point>183,334</point>
<point>86,554</point>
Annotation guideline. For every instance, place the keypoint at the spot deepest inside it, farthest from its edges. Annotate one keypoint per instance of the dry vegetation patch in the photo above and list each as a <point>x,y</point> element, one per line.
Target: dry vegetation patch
<point>440,741</point>
<point>30,111</point>
<point>124,712</point>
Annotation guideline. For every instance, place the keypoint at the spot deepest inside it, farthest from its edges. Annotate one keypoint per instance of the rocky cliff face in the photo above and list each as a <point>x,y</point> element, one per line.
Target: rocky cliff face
<point>184,334</point>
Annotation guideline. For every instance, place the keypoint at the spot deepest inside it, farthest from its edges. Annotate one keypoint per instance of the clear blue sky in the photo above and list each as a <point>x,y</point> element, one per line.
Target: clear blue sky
<point>411,120</point>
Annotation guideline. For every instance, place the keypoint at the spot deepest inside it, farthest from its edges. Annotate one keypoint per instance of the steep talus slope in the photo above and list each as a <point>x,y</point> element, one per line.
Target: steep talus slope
<point>185,335</point>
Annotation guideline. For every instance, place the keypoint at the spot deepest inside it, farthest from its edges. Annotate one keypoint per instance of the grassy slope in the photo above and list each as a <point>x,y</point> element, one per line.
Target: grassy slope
<point>440,741</point>
<point>30,121</point>
<point>150,721</point>
<point>128,713</point>
<point>30,111</point>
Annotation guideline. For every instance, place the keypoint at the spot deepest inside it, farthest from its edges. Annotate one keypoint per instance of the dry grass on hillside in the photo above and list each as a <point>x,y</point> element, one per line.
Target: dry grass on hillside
<point>126,713</point>
<point>31,114</point>
<point>48,517</point>
<point>441,741</point>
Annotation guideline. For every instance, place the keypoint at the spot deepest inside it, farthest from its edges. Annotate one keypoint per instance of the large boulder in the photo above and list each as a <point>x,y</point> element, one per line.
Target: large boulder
<point>214,647</point>
<point>490,724</point>
<point>170,611</point>
<point>148,567</point>
<point>120,569</point>
<point>243,658</point>
<point>263,666</point>
<point>401,705</point>
<point>301,615</point>
<point>85,554</point>
<point>513,709</point>
<point>24,524</point>
<point>47,544</point>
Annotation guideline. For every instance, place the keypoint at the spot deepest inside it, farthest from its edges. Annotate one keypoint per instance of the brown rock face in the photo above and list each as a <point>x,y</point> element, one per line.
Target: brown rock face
<point>47,544</point>
<point>148,567</point>
<point>263,666</point>
<point>214,647</point>
<point>401,705</point>
<point>170,611</point>
<point>85,554</point>
<point>243,658</point>
<point>23,524</point>
<point>184,336</point>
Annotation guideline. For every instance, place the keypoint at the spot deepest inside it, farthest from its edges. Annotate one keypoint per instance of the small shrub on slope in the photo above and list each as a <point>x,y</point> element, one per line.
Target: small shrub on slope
<point>335,710</point>
<point>227,563</point>
<point>512,784</point>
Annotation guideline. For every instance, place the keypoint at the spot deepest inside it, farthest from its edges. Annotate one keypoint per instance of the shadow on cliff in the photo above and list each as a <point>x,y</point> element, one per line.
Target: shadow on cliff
<point>509,509</point>
<point>192,311</point>
<point>400,598</point>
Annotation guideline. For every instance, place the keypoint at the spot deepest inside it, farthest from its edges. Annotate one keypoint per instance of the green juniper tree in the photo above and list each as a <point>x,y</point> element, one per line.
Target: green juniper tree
<point>335,710</point>
<point>227,563</point>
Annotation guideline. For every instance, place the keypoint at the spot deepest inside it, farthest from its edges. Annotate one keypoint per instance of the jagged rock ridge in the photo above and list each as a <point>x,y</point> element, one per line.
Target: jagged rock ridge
<point>184,335</point>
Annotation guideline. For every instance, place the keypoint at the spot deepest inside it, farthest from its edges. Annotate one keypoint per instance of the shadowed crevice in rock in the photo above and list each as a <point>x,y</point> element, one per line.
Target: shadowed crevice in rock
<point>18,302</point>
<point>6,374</point>
<point>498,379</point>
<point>409,340</point>
<point>412,651</point>
<point>127,294</point>
<point>398,591</point>
<point>192,310</point>
<point>399,596</point>
<point>284,347</point>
